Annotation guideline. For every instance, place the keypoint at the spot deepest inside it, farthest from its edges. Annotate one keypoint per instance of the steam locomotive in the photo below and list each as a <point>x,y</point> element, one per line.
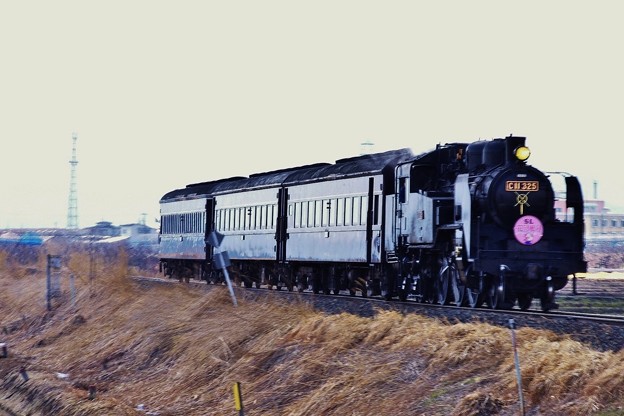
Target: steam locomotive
<point>469,224</point>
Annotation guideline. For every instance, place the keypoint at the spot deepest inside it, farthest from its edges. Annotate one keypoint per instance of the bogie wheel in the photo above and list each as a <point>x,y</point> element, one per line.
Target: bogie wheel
<point>316,285</point>
<point>499,296</point>
<point>547,299</point>
<point>365,288</point>
<point>524,301</point>
<point>405,288</point>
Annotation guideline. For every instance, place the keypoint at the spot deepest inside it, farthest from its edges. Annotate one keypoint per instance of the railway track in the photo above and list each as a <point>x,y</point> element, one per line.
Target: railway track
<point>602,327</point>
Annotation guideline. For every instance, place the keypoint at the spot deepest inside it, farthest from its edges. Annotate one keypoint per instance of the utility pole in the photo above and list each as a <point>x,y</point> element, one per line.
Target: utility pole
<point>72,209</point>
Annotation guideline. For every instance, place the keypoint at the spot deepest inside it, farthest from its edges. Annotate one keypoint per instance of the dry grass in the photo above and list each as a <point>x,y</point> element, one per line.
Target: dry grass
<point>178,350</point>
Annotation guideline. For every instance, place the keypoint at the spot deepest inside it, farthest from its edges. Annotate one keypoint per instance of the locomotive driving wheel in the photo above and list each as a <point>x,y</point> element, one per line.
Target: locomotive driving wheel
<point>496,291</point>
<point>474,295</point>
<point>474,298</point>
<point>451,289</point>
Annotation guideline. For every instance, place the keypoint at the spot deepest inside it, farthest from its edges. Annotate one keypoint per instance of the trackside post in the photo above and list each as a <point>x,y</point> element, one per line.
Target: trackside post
<point>512,326</point>
<point>221,260</point>
<point>53,279</point>
<point>238,398</point>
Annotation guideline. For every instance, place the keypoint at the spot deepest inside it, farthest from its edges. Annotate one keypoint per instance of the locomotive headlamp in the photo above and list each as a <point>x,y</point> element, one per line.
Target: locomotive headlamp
<point>522,153</point>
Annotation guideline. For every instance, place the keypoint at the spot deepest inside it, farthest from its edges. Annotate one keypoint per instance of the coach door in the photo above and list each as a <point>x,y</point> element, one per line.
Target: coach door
<point>370,214</point>
<point>209,227</point>
<point>281,227</point>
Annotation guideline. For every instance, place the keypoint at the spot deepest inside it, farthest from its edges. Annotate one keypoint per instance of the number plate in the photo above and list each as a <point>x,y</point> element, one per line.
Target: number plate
<point>526,186</point>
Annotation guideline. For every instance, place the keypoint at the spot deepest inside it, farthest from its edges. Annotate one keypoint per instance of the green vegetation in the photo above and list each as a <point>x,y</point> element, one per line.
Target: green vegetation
<point>591,305</point>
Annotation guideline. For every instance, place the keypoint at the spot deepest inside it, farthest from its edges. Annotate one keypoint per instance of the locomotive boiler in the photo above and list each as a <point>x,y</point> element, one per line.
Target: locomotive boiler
<point>469,224</point>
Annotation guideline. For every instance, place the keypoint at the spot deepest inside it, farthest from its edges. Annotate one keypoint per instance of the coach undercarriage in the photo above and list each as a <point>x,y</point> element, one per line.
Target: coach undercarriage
<point>435,276</point>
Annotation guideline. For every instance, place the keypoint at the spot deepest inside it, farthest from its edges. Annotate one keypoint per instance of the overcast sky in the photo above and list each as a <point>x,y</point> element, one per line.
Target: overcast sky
<point>164,93</point>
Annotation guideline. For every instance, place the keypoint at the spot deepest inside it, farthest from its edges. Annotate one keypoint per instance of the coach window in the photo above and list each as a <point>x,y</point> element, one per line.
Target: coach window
<point>304,214</point>
<point>364,210</point>
<point>310,214</point>
<point>271,216</point>
<point>357,203</point>
<point>262,217</point>
<point>296,214</point>
<point>340,211</point>
<point>348,220</point>
<point>318,211</point>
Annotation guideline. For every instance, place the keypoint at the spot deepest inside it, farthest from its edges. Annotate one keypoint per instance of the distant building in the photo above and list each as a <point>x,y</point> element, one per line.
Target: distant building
<point>600,222</point>
<point>139,234</point>
<point>102,229</point>
<point>133,234</point>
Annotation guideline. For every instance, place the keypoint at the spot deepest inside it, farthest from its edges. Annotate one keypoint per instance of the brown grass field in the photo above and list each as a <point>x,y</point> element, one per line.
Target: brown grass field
<point>121,348</point>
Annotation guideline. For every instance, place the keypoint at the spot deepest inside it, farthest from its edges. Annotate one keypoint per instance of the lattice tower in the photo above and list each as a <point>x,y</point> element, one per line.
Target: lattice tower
<point>72,208</point>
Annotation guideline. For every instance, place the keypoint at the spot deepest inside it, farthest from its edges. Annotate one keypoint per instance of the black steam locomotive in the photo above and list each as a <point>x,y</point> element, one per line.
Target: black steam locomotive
<point>465,223</point>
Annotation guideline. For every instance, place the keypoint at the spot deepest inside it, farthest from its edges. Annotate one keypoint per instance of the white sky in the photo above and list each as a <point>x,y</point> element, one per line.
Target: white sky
<point>164,93</point>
